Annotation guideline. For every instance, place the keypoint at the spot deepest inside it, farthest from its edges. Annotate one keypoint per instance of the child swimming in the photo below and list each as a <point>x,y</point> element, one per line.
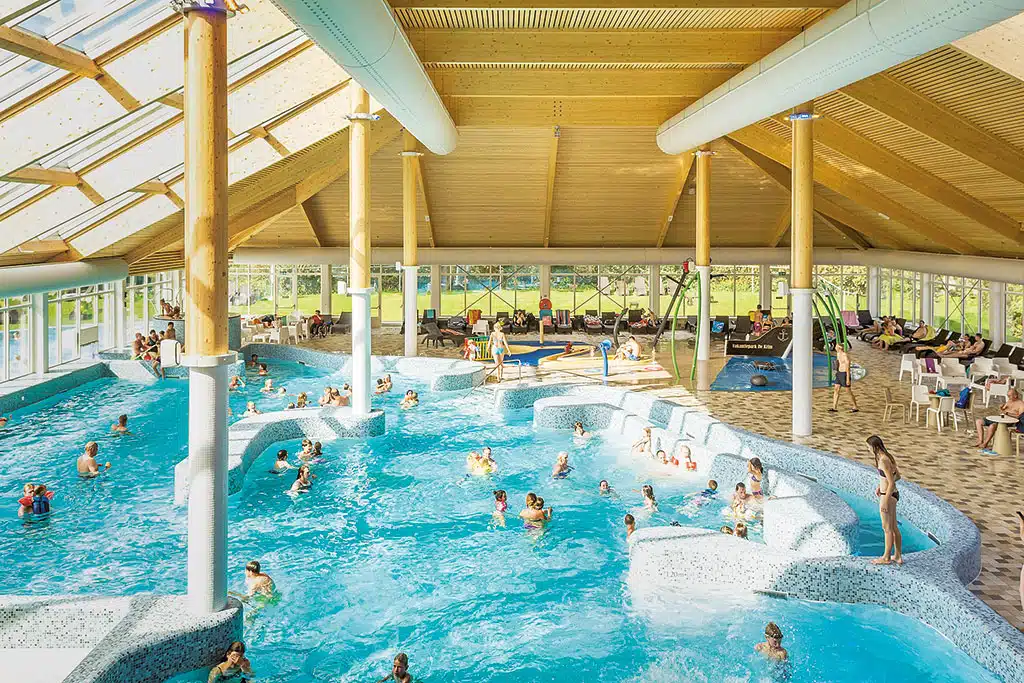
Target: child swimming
<point>630,525</point>
<point>268,387</point>
<point>562,468</point>
<point>250,409</point>
<point>411,400</point>
<point>647,491</point>
<point>281,464</point>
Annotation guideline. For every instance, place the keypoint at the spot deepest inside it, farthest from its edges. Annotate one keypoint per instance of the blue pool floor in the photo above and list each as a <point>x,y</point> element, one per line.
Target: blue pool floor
<point>736,374</point>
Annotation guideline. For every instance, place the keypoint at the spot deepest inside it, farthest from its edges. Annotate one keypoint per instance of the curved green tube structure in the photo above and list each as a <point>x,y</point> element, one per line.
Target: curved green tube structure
<point>675,318</point>
<point>824,336</point>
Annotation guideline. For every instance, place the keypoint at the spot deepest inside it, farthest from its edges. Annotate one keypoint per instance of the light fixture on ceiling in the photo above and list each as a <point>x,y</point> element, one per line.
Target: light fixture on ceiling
<point>803,116</point>
<point>883,215</point>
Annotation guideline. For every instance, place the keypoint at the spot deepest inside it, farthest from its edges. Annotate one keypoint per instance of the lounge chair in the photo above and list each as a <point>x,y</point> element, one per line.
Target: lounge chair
<point>1016,357</point>
<point>865,320</point>
<point>592,322</point>
<point>457,323</point>
<point>502,317</point>
<point>563,320</point>
<point>518,329</point>
<point>343,324</point>
<point>608,321</point>
<point>743,327</point>
<point>1004,351</point>
<point>433,334</point>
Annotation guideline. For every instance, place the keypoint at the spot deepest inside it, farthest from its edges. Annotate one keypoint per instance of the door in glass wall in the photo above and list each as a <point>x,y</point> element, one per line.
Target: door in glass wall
<point>19,350</point>
<point>68,330</point>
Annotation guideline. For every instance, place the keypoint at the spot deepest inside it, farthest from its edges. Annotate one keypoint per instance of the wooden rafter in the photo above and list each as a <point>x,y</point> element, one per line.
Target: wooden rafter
<point>703,46</point>
<point>831,177</point>
<point>63,177</point>
<point>421,182</point>
<point>879,159</point>
<point>888,96</point>
<point>551,111</point>
<point>41,50</point>
<point>285,184</point>
<point>578,82</point>
<point>314,224</point>
<point>263,133</point>
<point>90,193</point>
<point>781,176</point>
<point>682,178</point>
<point>846,231</point>
<point>549,196</point>
<point>782,224</point>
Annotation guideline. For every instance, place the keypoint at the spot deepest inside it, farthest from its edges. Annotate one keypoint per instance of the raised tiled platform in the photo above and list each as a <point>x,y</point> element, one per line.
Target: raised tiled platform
<point>930,587</point>
<point>138,639</point>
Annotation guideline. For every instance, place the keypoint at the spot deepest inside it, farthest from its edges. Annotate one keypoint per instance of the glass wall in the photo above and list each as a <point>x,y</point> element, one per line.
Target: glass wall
<point>609,288</point>
<point>494,289</point>
<point>80,323</point>
<point>1014,314</point>
<point>961,304</point>
<point>142,298</point>
<point>848,284</point>
<point>16,334</point>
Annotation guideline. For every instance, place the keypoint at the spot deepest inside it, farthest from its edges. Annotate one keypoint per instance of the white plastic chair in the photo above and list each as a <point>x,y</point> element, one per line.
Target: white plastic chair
<point>982,367</point>
<point>945,407</point>
<point>922,372</point>
<point>1001,366</point>
<point>953,373</point>
<point>997,390</point>
<point>274,336</point>
<point>918,398</point>
<point>291,334</point>
<point>170,353</point>
<point>481,327</point>
<point>891,406</point>
<point>907,365</point>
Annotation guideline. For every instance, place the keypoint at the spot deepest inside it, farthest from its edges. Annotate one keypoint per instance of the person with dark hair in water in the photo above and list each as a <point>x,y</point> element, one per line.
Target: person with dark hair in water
<point>234,666</point>
<point>772,645</point>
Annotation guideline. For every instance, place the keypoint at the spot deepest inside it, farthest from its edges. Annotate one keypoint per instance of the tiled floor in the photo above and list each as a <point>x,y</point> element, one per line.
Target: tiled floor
<point>984,487</point>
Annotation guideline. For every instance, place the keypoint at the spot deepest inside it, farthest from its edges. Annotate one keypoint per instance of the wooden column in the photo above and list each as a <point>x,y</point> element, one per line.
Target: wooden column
<point>703,252</point>
<point>802,267</point>
<point>409,244</point>
<point>359,247</point>
<point>206,303</point>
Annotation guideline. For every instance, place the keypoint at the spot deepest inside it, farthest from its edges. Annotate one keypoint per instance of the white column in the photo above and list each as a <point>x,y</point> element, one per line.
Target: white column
<point>411,314</point>
<point>360,351</point>
<point>704,314</point>
<point>118,312</point>
<point>997,313</point>
<point>40,334</point>
<point>435,288</point>
<point>273,286</point>
<point>928,298</point>
<point>765,285</point>
<point>545,282</point>
<point>325,289</point>
<point>295,287</point>
<point>874,291</point>
<point>803,360</point>
<point>654,290</point>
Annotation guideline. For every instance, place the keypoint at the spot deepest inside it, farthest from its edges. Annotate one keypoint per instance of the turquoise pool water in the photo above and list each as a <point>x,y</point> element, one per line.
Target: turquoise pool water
<point>396,548</point>
<point>871,540</point>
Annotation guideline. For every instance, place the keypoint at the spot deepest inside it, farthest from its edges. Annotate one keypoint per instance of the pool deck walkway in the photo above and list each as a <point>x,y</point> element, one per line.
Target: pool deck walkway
<point>982,486</point>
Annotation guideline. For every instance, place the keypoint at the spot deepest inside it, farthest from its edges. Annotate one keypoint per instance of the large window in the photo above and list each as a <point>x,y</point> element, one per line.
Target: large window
<point>848,284</point>
<point>961,304</point>
<point>1014,313</point>
<point>15,331</point>
<point>142,298</point>
<point>900,293</point>
<point>492,289</point>
<point>80,323</point>
<point>603,289</point>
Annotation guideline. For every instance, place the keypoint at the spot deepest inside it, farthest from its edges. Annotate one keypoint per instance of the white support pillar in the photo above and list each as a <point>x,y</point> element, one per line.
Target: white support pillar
<point>359,246</point>
<point>410,312</point>
<point>765,285</point>
<point>874,291</point>
<point>802,267</point>
<point>928,298</point>
<point>206,308</point>
<point>40,334</point>
<point>654,290</point>
<point>703,251</point>
<point>326,289</point>
<point>273,286</point>
<point>435,288</point>
<point>704,313</point>
<point>118,311</point>
<point>295,287</point>
<point>545,282</point>
<point>997,313</point>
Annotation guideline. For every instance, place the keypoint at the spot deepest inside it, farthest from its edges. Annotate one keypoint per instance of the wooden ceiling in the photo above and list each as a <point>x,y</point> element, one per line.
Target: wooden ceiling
<point>557,109</point>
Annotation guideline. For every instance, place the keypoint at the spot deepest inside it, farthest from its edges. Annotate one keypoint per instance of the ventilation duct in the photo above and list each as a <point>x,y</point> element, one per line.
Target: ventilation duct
<point>51,277</point>
<point>363,37</point>
<point>862,38</point>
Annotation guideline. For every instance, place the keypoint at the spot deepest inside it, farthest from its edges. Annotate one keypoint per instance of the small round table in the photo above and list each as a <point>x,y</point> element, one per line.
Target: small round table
<point>1001,440</point>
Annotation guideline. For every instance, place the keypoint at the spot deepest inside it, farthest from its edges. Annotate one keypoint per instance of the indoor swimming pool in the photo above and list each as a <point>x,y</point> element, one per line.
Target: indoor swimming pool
<point>397,548</point>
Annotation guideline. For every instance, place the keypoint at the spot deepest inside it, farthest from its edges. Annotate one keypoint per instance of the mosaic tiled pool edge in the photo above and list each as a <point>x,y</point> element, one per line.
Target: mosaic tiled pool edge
<point>250,437</point>
<point>930,587</point>
<point>142,638</point>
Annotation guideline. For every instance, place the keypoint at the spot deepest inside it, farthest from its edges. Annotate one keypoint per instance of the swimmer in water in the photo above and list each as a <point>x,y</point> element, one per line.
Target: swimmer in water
<point>256,582</point>
<point>579,432</point>
<point>688,461</point>
<point>318,450</point>
<point>325,398</point>
<point>740,530</point>
<point>488,460</point>
<point>739,499</point>
<point>630,526</point>
<point>281,464</point>
<point>236,383</point>
<point>4,421</point>
<point>381,389</point>
<point>500,506</point>
<point>727,530</point>
<point>35,500</point>
<point>302,401</point>
<point>562,468</point>
<point>303,480</point>
<point>411,400</point>
<point>643,445</point>
<point>772,645</point>
<point>268,386</point>
<point>647,491</point>
<point>234,666</point>
<point>263,370</point>
<point>87,465</point>
<point>254,361</point>
<point>306,454</point>
<point>604,488</point>
<point>534,515</point>
<point>399,670</point>
<point>250,409</point>
<point>121,426</point>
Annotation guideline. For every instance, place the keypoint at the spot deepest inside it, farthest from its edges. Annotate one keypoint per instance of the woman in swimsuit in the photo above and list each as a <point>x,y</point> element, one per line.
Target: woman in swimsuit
<point>887,498</point>
<point>643,445</point>
<point>303,480</point>
<point>561,469</point>
<point>647,491</point>
<point>499,349</point>
<point>235,665</point>
<point>755,470</point>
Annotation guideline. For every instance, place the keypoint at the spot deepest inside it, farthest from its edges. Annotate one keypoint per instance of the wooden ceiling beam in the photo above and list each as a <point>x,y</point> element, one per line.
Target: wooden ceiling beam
<point>782,224</point>
<point>546,111</point>
<point>879,159</point>
<point>41,50</point>
<point>314,224</point>
<point>421,182</point>
<point>781,176</point>
<point>888,96</point>
<point>615,4</point>
<point>777,149</point>
<point>62,177</point>
<point>549,197</point>
<point>846,231</point>
<point>689,46</point>
<point>682,177</point>
<point>578,82</point>
<point>90,193</point>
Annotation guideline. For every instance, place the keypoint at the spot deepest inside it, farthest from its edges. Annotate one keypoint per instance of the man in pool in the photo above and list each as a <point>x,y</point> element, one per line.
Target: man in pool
<point>254,361</point>
<point>256,582</point>
<point>87,465</point>
<point>122,425</point>
<point>772,645</point>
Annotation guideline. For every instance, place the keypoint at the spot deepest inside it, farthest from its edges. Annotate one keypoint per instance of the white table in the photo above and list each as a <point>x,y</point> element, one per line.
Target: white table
<point>1001,440</point>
